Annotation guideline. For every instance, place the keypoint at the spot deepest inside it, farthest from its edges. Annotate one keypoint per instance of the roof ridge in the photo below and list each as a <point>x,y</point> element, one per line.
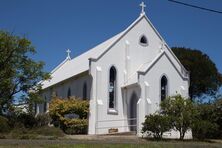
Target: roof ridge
<point>152,62</point>
<point>60,65</point>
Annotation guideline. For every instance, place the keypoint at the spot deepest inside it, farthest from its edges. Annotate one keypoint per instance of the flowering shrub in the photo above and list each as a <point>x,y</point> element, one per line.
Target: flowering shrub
<point>58,108</point>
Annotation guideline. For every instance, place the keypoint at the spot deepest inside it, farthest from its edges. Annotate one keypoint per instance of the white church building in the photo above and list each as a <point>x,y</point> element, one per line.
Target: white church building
<point>125,78</point>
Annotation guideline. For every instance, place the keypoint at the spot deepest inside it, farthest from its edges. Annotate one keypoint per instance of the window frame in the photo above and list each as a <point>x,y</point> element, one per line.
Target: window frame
<point>166,89</point>
<point>69,93</point>
<point>143,44</point>
<point>45,105</point>
<point>113,110</point>
<point>84,91</point>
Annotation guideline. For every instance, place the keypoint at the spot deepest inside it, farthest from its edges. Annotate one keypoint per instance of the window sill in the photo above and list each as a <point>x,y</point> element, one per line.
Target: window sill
<point>143,44</point>
<point>112,111</point>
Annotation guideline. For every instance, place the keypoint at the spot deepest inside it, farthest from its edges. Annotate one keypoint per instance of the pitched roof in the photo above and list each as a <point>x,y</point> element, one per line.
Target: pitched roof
<point>69,68</point>
<point>132,79</point>
<point>145,67</point>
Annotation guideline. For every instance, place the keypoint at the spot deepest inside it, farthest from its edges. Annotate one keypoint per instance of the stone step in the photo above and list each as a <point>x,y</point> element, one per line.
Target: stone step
<point>122,133</point>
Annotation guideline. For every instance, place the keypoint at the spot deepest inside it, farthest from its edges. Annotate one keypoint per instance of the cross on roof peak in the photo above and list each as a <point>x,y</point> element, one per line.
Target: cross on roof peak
<point>68,53</point>
<point>142,5</point>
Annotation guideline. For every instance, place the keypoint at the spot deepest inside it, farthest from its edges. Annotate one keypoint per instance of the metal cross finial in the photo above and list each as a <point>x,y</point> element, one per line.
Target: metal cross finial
<point>68,53</point>
<point>142,6</point>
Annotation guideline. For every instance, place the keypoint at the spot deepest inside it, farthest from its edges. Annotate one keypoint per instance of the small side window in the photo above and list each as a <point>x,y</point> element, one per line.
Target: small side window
<point>45,105</point>
<point>84,91</point>
<point>69,93</point>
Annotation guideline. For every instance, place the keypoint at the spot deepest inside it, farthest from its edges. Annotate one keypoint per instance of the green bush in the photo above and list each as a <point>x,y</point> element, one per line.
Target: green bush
<point>17,132</point>
<point>12,120</point>
<point>36,132</point>
<point>28,120</point>
<point>75,126</point>
<point>207,123</point>
<point>4,127</point>
<point>43,120</point>
<point>47,131</point>
<point>181,111</point>
<point>203,129</point>
<point>156,124</point>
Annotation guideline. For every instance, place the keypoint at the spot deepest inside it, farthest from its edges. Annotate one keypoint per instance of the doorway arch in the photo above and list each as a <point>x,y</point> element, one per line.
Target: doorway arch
<point>133,111</point>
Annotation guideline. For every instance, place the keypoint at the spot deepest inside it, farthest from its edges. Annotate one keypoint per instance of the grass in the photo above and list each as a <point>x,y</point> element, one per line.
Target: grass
<point>51,137</point>
<point>145,145</point>
<point>34,133</point>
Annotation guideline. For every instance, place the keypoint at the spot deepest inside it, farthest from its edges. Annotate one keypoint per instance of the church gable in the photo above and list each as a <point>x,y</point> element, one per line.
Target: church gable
<point>144,70</point>
<point>137,45</point>
<point>163,66</point>
<point>140,43</point>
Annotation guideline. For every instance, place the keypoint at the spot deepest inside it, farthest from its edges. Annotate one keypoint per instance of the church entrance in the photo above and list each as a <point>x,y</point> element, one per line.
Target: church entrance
<point>133,112</point>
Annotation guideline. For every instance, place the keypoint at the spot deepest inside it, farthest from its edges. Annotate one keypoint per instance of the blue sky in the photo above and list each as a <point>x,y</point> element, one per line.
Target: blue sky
<point>55,25</point>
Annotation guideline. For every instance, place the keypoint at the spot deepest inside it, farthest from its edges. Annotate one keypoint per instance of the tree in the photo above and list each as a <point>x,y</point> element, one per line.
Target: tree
<point>181,111</point>
<point>204,76</point>
<point>18,72</point>
<point>157,124</point>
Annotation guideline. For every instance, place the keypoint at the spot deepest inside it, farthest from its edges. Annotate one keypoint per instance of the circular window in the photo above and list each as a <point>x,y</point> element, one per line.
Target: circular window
<point>143,40</point>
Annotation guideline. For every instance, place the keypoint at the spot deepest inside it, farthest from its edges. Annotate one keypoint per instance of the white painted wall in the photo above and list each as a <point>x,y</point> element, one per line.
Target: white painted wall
<point>76,86</point>
<point>153,78</point>
<point>137,54</point>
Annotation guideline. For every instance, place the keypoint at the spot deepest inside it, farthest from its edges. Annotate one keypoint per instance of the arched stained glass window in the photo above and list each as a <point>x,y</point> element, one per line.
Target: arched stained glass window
<point>112,87</point>
<point>164,88</point>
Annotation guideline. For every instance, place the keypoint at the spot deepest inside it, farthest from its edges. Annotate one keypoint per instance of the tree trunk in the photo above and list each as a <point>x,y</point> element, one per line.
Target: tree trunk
<point>181,134</point>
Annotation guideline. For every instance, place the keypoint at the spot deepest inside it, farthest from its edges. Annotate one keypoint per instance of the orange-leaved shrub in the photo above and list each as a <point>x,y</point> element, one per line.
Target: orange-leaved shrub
<point>60,108</point>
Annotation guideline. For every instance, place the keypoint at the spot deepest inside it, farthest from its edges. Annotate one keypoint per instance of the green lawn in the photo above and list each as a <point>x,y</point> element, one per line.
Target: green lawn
<point>54,138</point>
<point>148,144</point>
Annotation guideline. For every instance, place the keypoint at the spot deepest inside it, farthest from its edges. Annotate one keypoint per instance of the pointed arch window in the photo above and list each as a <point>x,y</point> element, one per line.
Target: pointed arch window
<point>69,93</point>
<point>84,91</point>
<point>164,88</point>
<point>36,108</point>
<point>143,40</point>
<point>112,87</point>
<point>45,105</point>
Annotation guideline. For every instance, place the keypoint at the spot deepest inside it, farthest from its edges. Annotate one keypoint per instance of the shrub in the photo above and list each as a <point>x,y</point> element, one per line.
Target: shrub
<point>156,124</point>
<point>181,111</point>
<point>28,120</point>
<point>203,129</point>
<point>17,132</point>
<point>75,126</point>
<point>208,120</point>
<point>4,127</point>
<point>58,108</point>
<point>47,131</point>
<point>217,115</point>
<point>36,132</point>
<point>43,119</point>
